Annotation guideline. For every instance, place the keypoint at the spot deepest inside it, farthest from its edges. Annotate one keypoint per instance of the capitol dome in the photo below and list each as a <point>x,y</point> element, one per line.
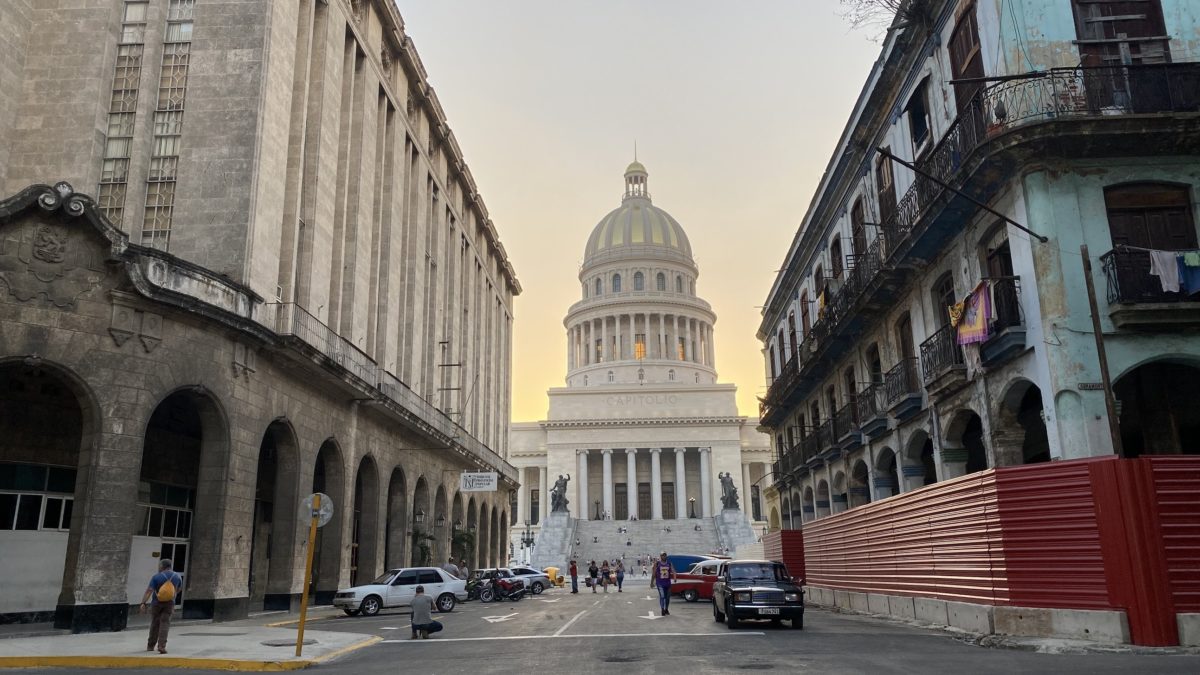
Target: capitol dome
<point>636,228</point>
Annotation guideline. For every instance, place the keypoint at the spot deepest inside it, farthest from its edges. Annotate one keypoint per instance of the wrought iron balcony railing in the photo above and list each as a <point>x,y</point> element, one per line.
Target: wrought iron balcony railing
<point>868,403</point>
<point>845,420</point>
<point>1006,307</point>
<point>1127,272</point>
<point>901,381</point>
<point>940,353</point>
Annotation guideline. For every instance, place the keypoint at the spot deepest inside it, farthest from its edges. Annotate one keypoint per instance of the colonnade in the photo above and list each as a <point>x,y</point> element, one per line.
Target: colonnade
<point>640,335</point>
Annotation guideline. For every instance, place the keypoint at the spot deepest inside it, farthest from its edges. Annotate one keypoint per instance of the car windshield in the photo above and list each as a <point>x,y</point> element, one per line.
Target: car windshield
<point>757,572</point>
<point>387,576</point>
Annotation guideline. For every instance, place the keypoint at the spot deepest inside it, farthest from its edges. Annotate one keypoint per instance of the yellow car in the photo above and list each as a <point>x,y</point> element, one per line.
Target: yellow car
<point>555,577</point>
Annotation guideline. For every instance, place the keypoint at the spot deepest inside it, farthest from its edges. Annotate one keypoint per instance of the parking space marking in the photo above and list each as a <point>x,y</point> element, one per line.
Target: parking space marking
<point>588,636</point>
<point>567,625</point>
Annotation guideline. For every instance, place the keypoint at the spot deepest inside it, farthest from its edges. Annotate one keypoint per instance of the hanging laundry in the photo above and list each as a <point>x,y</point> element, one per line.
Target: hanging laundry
<point>1164,266</point>
<point>1191,258</point>
<point>956,312</point>
<point>1189,274</point>
<point>976,322</point>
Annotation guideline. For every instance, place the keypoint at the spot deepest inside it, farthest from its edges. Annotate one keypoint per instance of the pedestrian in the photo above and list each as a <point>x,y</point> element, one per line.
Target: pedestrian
<point>451,568</point>
<point>161,593</point>
<point>604,572</point>
<point>620,575</point>
<point>663,574</point>
<point>574,577</point>
<point>422,615</point>
<point>462,567</point>
<point>644,572</point>
<point>593,575</point>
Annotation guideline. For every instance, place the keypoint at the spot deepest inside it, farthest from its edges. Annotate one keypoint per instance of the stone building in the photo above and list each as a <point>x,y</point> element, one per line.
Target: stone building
<point>284,281</point>
<point>642,427</point>
<point>1033,131</point>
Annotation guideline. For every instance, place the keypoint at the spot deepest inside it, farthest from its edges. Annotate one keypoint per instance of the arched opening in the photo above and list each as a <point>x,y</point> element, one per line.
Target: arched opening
<point>671,374</point>
<point>484,536</point>
<point>964,450</point>
<point>773,522</point>
<point>639,281</point>
<point>48,425</point>
<point>422,537</point>
<point>943,296</point>
<point>1159,404</point>
<point>792,338</point>
<point>858,228</point>
<point>612,377</point>
<point>458,539</point>
<point>859,493</point>
<point>920,468</point>
<point>473,531</point>
<point>599,287</point>
<point>364,547</point>
<point>327,554</point>
<point>786,503</point>
<point>808,508</point>
<point>887,479</point>
<point>494,541</point>
<point>839,500</point>
<point>1020,434</point>
<point>660,282</point>
<point>874,364</point>
<point>273,536</point>
<point>503,539</point>
<point>835,258</point>
<point>679,284</point>
<point>396,540</point>
<point>822,498</point>
<point>440,529</point>
<point>616,283</point>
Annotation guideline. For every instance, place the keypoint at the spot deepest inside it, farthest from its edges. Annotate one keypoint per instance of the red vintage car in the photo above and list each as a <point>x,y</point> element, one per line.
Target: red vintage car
<point>697,583</point>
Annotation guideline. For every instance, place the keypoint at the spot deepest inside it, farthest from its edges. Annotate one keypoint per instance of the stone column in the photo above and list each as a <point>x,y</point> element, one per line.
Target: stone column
<point>662,336</point>
<point>680,486</point>
<point>581,508</point>
<point>604,351</point>
<point>747,493</point>
<point>675,338</point>
<point>631,482</point>
<point>543,495</point>
<point>706,507</point>
<point>606,493</point>
<point>656,483</point>
<point>688,351</point>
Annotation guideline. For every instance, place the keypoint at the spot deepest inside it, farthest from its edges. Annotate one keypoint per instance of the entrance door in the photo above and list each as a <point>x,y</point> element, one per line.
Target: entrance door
<point>668,501</point>
<point>621,496</point>
<point>644,508</point>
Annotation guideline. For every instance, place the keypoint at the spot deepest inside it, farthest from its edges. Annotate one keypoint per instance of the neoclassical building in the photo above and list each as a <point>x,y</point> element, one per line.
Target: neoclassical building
<point>642,426</point>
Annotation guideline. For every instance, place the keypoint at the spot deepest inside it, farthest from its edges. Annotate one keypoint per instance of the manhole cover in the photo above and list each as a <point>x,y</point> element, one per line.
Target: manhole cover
<point>288,642</point>
<point>215,634</point>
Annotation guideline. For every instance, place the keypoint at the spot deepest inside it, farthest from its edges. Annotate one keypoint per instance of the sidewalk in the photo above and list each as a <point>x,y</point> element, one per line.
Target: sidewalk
<point>237,646</point>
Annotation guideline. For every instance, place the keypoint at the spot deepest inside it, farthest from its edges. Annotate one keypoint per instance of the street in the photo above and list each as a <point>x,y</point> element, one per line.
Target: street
<point>557,632</point>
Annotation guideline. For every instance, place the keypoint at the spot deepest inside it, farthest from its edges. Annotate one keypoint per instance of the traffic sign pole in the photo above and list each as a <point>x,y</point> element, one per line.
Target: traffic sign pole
<point>312,538</point>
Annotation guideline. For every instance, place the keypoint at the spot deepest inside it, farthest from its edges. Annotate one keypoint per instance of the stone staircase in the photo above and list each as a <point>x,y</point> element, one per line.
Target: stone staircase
<point>554,541</point>
<point>600,538</point>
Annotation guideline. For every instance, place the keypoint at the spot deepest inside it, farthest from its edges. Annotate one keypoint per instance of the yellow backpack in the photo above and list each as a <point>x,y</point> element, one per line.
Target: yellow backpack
<point>166,592</point>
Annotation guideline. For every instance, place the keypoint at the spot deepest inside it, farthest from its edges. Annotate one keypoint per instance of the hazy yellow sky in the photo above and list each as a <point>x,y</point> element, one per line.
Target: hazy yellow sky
<point>735,107</point>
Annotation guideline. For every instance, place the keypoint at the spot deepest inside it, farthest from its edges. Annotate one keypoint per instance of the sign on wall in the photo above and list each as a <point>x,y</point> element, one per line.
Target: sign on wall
<point>479,481</point>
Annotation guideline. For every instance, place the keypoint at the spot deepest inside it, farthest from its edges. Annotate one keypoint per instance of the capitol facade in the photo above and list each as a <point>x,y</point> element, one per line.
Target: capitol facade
<point>643,428</point>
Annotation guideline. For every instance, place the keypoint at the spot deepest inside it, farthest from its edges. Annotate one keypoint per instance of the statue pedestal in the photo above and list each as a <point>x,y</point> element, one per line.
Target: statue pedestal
<point>734,528</point>
<point>554,541</point>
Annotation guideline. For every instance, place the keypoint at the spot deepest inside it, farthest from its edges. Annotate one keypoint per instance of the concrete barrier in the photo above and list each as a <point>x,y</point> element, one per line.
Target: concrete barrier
<point>1189,629</point>
<point>902,606</point>
<point>858,602</point>
<point>970,617</point>
<point>931,610</point>
<point>878,604</point>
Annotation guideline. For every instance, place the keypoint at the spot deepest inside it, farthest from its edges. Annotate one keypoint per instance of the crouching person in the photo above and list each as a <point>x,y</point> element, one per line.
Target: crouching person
<point>422,615</point>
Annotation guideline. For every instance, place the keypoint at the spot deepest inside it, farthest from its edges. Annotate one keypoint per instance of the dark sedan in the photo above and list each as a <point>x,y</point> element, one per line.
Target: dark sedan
<point>757,589</point>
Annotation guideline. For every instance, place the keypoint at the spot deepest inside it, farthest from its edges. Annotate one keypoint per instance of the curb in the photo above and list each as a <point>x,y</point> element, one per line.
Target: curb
<point>236,665</point>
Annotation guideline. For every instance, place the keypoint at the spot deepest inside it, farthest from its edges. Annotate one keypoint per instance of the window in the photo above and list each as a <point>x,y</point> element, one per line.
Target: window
<point>782,347</point>
<point>429,577</point>
<point>611,376</point>
<point>814,411</point>
<point>849,386</point>
<point>803,313</point>
<point>599,353</point>
<point>660,282</point>
<point>671,375</point>
<point>639,281</point>
<point>641,375</point>
<point>874,364</point>
<point>1150,215</point>
<point>774,370</point>
<point>943,297</point>
<point>639,346</point>
<point>616,283</point>
<point>1120,32</point>
<point>599,287</point>
<point>406,578</point>
<point>585,380</point>
<point>858,228</point>
<point>535,502</point>
<point>681,350</point>
<point>918,118</point>
<point>966,60</point>
<point>791,331</point>
<point>835,257</point>
<point>885,188</point>
<point>697,377</point>
<point>678,284</point>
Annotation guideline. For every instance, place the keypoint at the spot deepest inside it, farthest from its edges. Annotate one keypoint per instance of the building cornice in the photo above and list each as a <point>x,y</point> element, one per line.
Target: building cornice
<point>641,422</point>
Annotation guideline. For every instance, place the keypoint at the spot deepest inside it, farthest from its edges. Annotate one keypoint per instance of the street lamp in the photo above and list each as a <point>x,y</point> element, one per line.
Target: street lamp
<point>527,541</point>
<point>457,525</point>
<point>597,509</point>
<point>440,522</point>
<point>419,517</point>
<point>691,507</point>
<point>471,528</point>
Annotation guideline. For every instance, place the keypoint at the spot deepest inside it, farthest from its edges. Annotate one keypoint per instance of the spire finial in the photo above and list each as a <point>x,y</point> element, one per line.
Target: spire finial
<point>635,149</point>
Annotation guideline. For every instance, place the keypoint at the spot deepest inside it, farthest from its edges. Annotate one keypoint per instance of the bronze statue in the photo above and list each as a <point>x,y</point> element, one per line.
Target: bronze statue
<point>729,491</point>
<point>558,494</point>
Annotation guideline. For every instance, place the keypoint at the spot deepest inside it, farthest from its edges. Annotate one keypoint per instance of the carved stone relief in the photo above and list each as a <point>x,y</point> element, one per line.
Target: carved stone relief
<point>48,263</point>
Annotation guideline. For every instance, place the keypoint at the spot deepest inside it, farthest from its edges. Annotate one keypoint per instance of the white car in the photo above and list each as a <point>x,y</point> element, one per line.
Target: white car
<point>534,580</point>
<point>397,587</point>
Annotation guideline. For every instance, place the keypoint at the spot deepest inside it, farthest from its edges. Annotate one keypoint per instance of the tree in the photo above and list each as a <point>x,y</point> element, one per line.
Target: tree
<point>422,554</point>
<point>462,544</point>
<point>882,15</point>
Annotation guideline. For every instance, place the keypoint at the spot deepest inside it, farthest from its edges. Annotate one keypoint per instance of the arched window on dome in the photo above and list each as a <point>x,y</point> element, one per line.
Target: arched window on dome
<point>611,376</point>
<point>678,284</point>
<point>691,287</point>
<point>639,281</point>
<point>641,375</point>
<point>585,290</point>
<point>660,282</point>
<point>585,380</point>
<point>671,374</point>
<point>616,284</point>
<point>599,287</point>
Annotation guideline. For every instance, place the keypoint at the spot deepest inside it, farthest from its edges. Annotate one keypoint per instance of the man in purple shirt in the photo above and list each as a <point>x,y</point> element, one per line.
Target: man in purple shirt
<point>661,577</point>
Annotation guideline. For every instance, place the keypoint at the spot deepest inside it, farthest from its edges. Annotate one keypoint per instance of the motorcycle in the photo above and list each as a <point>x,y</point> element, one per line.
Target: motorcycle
<point>474,586</point>
<point>501,589</point>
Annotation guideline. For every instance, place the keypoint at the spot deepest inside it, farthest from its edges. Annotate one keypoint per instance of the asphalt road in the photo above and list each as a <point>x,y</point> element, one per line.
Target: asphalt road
<point>622,633</point>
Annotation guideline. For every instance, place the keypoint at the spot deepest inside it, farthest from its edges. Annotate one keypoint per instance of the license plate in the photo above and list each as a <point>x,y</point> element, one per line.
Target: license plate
<point>768,610</point>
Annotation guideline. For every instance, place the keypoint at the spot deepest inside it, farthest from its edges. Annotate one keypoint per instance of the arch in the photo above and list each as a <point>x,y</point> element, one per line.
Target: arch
<point>920,467</point>
<point>503,539</point>
<point>440,530</point>
<point>483,536</point>
<point>942,295</point>
<point>1019,431</point>
<point>612,376</point>
<point>616,283</point>
<point>660,282</point>
<point>858,492</point>
<point>1160,408</point>
<point>836,260</point>
<point>792,336</point>
<point>473,530</point>
<point>679,284</point>
<point>839,500</point>
<point>822,498</point>
<point>364,529</point>
<point>50,429</point>
<point>599,287</point>
<point>786,503</point>
<point>327,553</point>
<point>494,538</point>
<point>808,505</point>
<point>773,522</point>
<point>639,281</point>
<point>273,536</point>
<point>422,515</point>
<point>858,228</point>
<point>887,474</point>
<point>458,537</point>
<point>671,374</point>
<point>396,541</point>
<point>964,450</point>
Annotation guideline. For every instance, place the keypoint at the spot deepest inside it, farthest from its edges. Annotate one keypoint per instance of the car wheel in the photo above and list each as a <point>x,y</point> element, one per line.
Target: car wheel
<point>691,595</point>
<point>798,622</point>
<point>370,605</point>
<point>487,595</point>
<point>350,612</point>
<point>718,616</point>
<point>538,587</point>
<point>445,602</point>
<point>730,620</point>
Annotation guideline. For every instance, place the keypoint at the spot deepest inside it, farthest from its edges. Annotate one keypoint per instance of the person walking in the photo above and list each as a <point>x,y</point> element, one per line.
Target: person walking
<point>574,577</point>
<point>161,593</point>
<point>593,575</point>
<point>663,575</point>
<point>422,615</point>
<point>620,575</point>
<point>605,570</point>
<point>462,567</point>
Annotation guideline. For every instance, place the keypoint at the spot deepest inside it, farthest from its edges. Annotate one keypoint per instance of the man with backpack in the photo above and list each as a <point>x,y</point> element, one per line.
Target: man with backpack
<point>161,593</point>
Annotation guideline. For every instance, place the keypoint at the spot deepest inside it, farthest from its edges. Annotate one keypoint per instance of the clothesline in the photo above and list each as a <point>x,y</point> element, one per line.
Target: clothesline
<point>1127,247</point>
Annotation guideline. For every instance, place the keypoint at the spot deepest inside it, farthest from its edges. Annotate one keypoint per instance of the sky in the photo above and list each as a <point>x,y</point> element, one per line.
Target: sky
<point>735,108</point>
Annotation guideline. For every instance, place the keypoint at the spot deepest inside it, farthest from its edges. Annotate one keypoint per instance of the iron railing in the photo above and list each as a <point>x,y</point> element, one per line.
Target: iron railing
<point>1006,307</point>
<point>1127,272</point>
<point>940,353</point>
<point>868,405</point>
<point>845,420</point>
<point>900,381</point>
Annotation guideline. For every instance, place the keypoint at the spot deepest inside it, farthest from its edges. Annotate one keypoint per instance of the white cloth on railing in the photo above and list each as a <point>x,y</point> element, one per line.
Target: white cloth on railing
<point>1164,266</point>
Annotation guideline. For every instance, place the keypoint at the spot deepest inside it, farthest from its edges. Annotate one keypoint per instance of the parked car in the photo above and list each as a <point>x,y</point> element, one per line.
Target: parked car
<point>534,580</point>
<point>756,589</point>
<point>396,588</point>
<point>697,583</point>
<point>684,561</point>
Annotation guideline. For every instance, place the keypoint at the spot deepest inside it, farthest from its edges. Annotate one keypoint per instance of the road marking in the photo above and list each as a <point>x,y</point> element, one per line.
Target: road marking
<point>567,625</point>
<point>545,600</point>
<point>589,636</point>
<point>650,615</point>
<point>388,628</point>
<point>499,619</point>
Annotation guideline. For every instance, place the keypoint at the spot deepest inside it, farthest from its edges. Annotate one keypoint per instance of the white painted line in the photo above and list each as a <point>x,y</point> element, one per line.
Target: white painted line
<point>499,619</point>
<point>567,625</point>
<point>589,636</point>
<point>650,615</point>
<point>388,628</point>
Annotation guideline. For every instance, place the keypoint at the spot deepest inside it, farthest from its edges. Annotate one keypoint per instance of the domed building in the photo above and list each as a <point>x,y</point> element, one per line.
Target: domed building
<point>643,428</point>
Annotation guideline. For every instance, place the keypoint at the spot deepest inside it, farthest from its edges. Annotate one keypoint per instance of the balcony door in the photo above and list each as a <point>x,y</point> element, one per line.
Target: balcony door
<point>1150,215</point>
<point>1120,32</point>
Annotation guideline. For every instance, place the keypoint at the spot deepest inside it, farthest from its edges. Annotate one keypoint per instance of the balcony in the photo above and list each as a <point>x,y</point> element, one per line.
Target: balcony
<point>872,416</point>
<point>1008,323</point>
<point>1136,298</point>
<point>846,432</point>
<point>902,391</point>
<point>942,366</point>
